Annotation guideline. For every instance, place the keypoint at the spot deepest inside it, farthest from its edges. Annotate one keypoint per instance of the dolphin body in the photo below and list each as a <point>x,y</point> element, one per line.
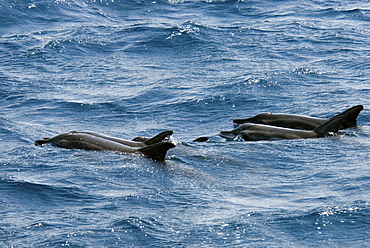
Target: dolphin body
<point>136,142</point>
<point>302,122</point>
<point>255,132</point>
<point>153,148</point>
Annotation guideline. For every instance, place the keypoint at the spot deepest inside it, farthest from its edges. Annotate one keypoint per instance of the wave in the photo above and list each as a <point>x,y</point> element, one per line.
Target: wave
<point>34,193</point>
<point>329,222</point>
<point>158,231</point>
<point>344,13</point>
<point>260,228</point>
<point>29,187</point>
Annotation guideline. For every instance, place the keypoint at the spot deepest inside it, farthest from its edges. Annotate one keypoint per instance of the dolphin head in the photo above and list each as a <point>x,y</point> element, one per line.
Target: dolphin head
<point>228,135</point>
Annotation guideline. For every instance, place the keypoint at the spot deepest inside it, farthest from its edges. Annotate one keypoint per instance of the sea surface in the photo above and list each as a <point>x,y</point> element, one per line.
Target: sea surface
<point>130,68</point>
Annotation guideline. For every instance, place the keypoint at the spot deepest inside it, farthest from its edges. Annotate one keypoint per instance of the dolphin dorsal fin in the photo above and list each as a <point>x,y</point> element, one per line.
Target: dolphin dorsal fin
<point>157,151</point>
<point>159,137</point>
<point>329,126</point>
<point>351,115</point>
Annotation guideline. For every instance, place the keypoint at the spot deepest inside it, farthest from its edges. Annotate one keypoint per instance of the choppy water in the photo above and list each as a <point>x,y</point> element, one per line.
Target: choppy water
<point>136,68</point>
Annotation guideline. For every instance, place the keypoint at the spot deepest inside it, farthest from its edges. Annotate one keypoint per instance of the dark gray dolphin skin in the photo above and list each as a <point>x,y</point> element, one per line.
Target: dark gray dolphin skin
<point>201,139</point>
<point>136,142</point>
<point>155,148</point>
<point>255,132</point>
<point>302,122</point>
<point>143,139</point>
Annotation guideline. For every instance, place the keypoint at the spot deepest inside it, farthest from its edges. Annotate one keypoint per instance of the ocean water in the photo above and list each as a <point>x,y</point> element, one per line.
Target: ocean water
<point>130,68</point>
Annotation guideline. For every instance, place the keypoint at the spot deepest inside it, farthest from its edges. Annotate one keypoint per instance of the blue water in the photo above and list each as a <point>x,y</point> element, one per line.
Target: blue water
<point>130,68</point>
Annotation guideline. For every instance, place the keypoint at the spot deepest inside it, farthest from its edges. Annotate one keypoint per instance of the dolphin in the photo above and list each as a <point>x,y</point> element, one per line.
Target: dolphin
<point>255,132</point>
<point>156,149</point>
<point>302,122</point>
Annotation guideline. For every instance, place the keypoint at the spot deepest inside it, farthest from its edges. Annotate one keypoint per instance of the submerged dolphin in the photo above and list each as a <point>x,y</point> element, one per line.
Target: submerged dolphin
<point>255,132</point>
<point>153,148</point>
<point>302,122</point>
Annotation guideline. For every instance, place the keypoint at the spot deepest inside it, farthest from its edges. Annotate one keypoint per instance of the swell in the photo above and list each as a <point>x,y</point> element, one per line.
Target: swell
<point>40,193</point>
<point>44,13</point>
<point>355,13</point>
<point>329,223</point>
